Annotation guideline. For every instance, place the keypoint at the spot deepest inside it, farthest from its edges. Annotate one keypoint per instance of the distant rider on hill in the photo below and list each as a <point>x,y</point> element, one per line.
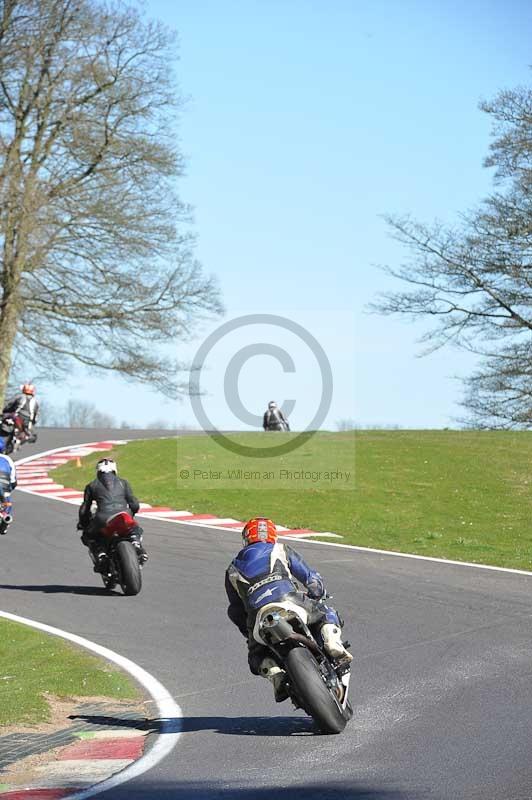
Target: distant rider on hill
<point>265,562</point>
<point>25,406</point>
<point>111,495</point>
<point>274,419</point>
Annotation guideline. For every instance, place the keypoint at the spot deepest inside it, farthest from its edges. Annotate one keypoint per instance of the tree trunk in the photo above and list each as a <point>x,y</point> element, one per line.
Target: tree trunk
<point>13,256</point>
<point>94,265</point>
<point>8,331</point>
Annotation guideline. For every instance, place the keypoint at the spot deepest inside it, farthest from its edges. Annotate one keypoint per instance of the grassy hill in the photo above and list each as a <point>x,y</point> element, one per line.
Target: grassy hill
<point>464,495</point>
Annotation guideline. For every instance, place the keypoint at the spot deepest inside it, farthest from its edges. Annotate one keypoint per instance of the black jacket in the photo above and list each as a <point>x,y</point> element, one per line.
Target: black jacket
<point>111,495</point>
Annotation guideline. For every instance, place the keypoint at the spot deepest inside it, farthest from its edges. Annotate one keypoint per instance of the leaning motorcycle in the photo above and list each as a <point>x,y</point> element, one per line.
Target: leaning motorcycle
<point>123,564</point>
<point>8,434</point>
<point>315,682</point>
<point>13,433</point>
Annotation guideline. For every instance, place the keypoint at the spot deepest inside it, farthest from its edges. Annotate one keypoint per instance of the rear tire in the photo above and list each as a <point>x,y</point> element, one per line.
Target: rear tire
<point>312,692</point>
<point>128,563</point>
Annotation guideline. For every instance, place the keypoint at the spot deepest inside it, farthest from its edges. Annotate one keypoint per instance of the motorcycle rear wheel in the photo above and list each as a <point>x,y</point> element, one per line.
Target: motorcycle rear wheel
<point>312,692</point>
<point>128,563</point>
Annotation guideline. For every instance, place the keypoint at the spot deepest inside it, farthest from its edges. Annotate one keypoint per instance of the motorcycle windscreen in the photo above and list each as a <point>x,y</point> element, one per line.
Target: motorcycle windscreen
<point>271,593</point>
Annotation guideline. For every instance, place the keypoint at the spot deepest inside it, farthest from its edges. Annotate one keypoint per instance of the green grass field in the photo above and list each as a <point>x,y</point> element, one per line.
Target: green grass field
<point>463,495</point>
<point>32,663</point>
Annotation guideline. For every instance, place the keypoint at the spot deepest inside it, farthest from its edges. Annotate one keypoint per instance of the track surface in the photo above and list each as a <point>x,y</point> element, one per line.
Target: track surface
<point>442,682</point>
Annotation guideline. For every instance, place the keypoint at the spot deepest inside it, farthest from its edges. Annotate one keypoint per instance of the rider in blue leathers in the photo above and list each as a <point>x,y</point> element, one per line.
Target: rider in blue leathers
<point>8,481</point>
<point>265,571</point>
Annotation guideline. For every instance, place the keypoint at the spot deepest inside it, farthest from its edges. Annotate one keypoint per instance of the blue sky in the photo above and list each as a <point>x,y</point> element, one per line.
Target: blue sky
<point>307,121</point>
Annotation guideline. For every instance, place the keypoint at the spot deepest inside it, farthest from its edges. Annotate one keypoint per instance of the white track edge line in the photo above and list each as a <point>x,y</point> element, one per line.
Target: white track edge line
<point>393,553</point>
<point>293,538</point>
<point>169,711</point>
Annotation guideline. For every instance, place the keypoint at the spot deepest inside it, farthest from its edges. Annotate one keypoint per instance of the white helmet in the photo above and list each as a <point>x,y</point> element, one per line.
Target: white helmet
<point>106,465</point>
<point>272,404</point>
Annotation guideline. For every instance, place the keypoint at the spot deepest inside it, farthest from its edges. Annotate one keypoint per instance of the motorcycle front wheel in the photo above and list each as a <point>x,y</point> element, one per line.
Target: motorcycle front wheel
<point>312,692</point>
<point>129,568</point>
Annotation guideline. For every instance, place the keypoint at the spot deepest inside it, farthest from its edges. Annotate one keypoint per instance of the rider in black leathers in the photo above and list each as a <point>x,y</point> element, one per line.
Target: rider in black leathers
<point>111,495</point>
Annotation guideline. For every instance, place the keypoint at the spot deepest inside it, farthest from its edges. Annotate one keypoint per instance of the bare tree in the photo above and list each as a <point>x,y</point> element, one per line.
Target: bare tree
<point>75,414</point>
<point>49,416</point>
<point>475,280</point>
<point>161,424</point>
<point>79,414</point>
<point>95,265</point>
<point>343,425</point>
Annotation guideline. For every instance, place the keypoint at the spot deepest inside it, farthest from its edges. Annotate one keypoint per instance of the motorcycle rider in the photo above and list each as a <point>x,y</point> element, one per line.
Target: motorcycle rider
<point>111,495</point>
<point>8,481</point>
<point>274,418</point>
<point>25,406</point>
<point>265,562</point>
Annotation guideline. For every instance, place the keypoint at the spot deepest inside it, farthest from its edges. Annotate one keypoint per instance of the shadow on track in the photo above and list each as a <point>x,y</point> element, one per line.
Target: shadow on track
<point>57,588</point>
<point>332,790</point>
<point>155,725</point>
<point>235,726</point>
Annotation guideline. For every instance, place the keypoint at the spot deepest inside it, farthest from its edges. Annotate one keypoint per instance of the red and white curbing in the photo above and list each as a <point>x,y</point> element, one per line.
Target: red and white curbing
<point>33,477</point>
<point>81,765</point>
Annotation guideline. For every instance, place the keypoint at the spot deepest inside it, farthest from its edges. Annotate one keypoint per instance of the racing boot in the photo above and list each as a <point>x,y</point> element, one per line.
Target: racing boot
<point>137,542</point>
<point>272,671</point>
<point>332,641</point>
<point>99,557</point>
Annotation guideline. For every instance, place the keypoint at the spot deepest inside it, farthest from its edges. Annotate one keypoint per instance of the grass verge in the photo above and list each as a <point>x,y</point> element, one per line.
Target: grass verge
<point>33,663</point>
<point>464,495</point>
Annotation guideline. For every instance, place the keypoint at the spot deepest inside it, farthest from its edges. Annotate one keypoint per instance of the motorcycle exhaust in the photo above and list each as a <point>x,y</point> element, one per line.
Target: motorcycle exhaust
<point>8,519</point>
<point>276,628</point>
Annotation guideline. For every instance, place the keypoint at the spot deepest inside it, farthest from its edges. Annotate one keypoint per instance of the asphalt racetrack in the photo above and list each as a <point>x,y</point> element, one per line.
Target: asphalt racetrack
<point>441,685</point>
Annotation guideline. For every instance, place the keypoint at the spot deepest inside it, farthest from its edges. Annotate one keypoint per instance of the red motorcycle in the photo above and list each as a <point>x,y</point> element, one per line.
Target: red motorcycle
<point>125,555</point>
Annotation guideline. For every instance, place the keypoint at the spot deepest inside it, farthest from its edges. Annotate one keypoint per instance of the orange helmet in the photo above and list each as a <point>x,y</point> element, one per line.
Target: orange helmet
<point>28,388</point>
<point>259,529</point>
